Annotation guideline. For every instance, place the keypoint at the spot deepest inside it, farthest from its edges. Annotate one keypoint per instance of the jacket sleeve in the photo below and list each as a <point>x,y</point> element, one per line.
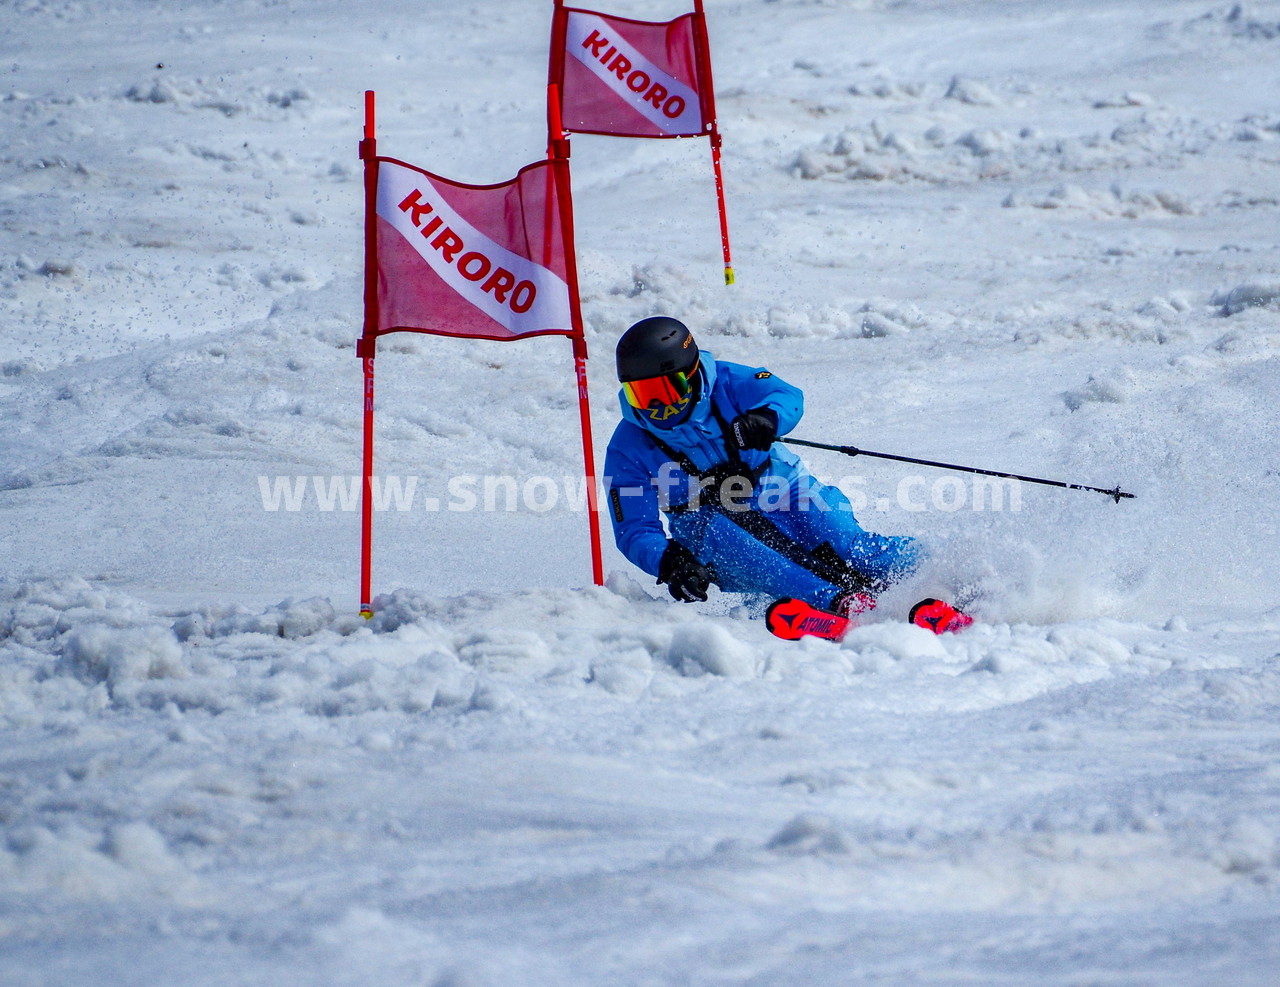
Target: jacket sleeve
<point>755,387</point>
<point>631,498</point>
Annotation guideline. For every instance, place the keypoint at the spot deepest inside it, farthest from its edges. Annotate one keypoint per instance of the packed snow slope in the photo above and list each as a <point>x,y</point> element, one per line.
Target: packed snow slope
<point>1037,237</point>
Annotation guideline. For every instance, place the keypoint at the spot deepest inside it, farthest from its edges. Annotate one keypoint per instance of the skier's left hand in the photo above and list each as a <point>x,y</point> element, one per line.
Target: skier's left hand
<point>756,429</point>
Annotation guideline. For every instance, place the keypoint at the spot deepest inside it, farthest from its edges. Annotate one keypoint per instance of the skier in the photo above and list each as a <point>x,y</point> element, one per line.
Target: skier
<point>698,444</point>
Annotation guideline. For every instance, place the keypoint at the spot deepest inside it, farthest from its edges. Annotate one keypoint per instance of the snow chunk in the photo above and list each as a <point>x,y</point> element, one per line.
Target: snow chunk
<point>289,619</point>
<point>140,848</point>
<point>1237,22</point>
<point>810,834</point>
<point>1085,645</point>
<point>1112,202</point>
<point>1248,295</point>
<point>57,268</point>
<point>987,142</point>
<point>98,653</point>
<point>626,675</point>
<point>1105,389</point>
<point>886,89</point>
<point>1126,99</point>
<point>1000,662</point>
<point>43,860</point>
<point>507,650</point>
<point>898,641</point>
<point>711,648</point>
<point>972,92</point>
<point>625,585</point>
<point>1250,846</point>
<point>882,317</point>
<point>158,92</point>
<point>79,862</point>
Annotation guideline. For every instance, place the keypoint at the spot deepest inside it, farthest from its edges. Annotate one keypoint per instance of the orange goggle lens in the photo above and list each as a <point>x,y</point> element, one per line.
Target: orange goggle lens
<point>657,394</point>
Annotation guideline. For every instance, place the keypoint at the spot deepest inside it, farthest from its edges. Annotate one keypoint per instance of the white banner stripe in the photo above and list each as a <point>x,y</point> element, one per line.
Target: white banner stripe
<point>662,99</point>
<point>515,292</point>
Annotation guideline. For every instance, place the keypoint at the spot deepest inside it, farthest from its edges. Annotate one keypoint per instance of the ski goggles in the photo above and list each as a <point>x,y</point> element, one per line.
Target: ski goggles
<point>662,396</point>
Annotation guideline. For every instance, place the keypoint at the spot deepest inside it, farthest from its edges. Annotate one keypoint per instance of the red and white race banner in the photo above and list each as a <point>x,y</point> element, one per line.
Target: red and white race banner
<point>489,261</point>
<point>628,78</point>
<point>480,261</point>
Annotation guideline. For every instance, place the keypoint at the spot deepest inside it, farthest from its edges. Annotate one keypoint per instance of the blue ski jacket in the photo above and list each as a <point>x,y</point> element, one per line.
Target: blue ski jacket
<point>640,479</point>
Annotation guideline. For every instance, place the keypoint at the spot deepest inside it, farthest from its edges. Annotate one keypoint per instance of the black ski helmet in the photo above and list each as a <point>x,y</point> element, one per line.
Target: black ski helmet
<point>655,346</point>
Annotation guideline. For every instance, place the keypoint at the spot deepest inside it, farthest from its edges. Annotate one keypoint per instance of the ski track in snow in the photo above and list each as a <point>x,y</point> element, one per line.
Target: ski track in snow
<point>1031,237</point>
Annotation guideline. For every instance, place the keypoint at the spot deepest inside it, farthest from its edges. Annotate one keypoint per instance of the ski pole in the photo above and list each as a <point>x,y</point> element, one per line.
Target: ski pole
<point>1116,494</point>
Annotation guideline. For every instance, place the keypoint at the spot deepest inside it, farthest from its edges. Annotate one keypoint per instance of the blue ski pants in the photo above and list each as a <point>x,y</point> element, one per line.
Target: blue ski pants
<point>810,515</point>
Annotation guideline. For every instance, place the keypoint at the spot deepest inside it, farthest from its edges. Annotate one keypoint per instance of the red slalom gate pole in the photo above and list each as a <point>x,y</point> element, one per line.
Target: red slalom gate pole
<point>707,93</point>
<point>366,499</point>
<point>558,154</point>
<point>588,458</point>
<point>557,147</point>
<point>724,216</point>
<point>366,349</point>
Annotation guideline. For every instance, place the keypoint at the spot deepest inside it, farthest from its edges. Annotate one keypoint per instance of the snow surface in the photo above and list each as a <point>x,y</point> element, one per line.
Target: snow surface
<point>1039,237</point>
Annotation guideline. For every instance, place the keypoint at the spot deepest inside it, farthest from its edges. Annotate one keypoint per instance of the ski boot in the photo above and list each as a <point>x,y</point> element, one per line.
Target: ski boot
<point>938,616</point>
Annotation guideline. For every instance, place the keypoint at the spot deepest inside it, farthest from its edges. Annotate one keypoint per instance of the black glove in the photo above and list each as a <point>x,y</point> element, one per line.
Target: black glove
<point>687,579</point>
<point>756,429</point>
